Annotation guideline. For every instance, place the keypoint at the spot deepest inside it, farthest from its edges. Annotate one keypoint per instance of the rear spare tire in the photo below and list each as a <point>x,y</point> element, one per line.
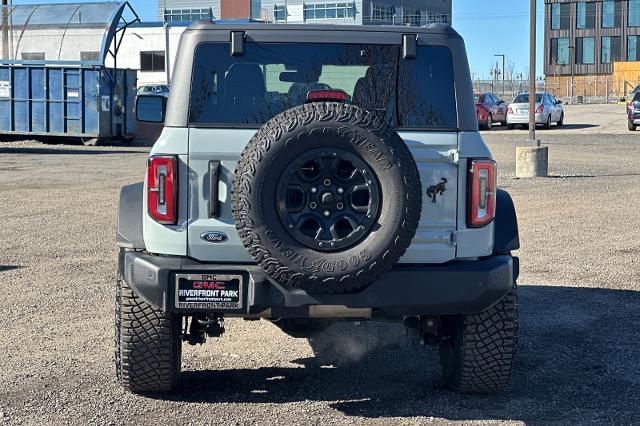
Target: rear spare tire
<point>326,197</point>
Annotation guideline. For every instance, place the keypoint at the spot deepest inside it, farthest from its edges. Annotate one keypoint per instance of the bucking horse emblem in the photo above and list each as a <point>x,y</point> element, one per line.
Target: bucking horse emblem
<point>434,190</point>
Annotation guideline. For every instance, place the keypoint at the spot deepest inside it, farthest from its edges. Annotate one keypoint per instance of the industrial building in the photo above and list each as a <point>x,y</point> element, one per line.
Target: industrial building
<point>592,47</point>
<point>358,12</point>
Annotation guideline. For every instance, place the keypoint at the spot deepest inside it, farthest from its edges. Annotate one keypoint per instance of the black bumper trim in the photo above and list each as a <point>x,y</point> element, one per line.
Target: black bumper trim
<point>460,287</point>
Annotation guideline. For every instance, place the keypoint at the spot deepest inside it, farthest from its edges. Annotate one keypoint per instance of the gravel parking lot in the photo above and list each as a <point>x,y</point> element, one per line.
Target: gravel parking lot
<point>579,304</point>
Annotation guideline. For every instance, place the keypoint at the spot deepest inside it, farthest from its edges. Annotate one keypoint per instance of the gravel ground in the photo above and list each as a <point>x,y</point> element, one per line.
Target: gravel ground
<point>579,305</point>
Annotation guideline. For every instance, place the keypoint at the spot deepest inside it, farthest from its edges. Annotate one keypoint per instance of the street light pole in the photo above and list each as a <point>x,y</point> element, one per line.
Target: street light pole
<point>503,56</point>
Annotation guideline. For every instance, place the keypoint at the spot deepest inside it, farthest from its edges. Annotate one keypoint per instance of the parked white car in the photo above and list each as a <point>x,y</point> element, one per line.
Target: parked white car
<point>548,110</point>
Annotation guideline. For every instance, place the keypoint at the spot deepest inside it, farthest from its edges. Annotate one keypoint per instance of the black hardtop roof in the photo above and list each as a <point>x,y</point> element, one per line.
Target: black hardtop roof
<point>206,25</point>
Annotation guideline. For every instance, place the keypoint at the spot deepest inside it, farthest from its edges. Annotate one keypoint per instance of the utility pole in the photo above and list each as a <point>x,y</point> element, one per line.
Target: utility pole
<point>503,56</point>
<point>532,161</point>
<point>5,30</point>
<point>167,48</point>
<point>571,62</point>
<point>532,74</point>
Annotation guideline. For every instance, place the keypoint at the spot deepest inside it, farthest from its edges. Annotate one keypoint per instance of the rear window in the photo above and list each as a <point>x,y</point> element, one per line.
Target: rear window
<point>524,99</point>
<point>273,77</point>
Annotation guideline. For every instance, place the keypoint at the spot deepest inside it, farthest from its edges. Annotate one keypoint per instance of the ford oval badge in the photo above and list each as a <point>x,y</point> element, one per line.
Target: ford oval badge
<point>214,236</point>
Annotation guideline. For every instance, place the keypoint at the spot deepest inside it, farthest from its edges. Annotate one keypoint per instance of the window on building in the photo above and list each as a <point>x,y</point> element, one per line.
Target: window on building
<point>89,56</point>
<point>412,17</point>
<point>32,56</point>
<point>382,13</point>
<point>555,16</point>
<point>633,48</point>
<point>152,61</point>
<point>585,15</point>
<point>256,9</point>
<point>560,16</point>
<point>634,13</point>
<point>559,51</point>
<point>329,10</point>
<point>611,14</point>
<point>280,13</point>
<point>585,50</point>
<point>611,50</point>
<point>186,15</point>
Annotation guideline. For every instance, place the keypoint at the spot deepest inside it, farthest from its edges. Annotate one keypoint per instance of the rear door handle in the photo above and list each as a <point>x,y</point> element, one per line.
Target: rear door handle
<point>214,181</point>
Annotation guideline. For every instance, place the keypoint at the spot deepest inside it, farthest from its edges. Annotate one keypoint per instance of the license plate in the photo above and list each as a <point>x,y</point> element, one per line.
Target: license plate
<point>524,111</point>
<point>208,291</point>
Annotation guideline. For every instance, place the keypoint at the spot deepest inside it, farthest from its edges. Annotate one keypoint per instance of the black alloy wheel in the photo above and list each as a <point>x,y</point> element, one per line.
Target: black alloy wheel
<point>328,199</point>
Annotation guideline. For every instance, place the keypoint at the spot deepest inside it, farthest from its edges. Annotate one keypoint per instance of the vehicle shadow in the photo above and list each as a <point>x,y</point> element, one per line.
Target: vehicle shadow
<point>575,126</point>
<point>4,268</point>
<point>577,361</point>
<point>31,149</point>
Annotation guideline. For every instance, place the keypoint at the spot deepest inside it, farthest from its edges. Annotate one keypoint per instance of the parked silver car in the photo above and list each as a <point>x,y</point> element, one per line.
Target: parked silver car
<point>548,110</point>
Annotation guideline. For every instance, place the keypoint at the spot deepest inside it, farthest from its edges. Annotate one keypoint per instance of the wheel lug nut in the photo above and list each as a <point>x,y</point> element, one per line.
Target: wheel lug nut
<point>313,205</point>
<point>314,189</point>
<point>327,182</point>
<point>340,206</point>
<point>326,213</point>
<point>340,190</point>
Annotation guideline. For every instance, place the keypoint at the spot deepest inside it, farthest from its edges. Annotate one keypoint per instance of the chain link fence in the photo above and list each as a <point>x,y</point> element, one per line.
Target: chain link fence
<point>584,90</point>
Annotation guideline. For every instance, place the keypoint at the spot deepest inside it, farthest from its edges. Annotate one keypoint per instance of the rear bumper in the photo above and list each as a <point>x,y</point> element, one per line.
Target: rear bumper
<point>634,118</point>
<point>460,287</point>
<point>524,119</point>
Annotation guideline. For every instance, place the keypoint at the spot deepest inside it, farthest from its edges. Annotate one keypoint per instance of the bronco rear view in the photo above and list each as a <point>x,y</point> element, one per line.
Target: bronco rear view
<point>312,174</point>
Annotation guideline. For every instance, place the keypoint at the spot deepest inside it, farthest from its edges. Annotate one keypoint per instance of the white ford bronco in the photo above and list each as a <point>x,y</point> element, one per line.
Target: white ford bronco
<point>312,174</point>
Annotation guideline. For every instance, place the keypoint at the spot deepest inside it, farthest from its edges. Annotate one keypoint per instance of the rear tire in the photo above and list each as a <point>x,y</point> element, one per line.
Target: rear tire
<point>510,126</point>
<point>488,124</point>
<point>547,124</point>
<point>477,351</point>
<point>148,348</point>
<point>631,126</point>
<point>561,121</point>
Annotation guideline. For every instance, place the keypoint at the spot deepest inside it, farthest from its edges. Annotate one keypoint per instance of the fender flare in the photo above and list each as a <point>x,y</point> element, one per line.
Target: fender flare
<point>506,238</point>
<point>129,222</point>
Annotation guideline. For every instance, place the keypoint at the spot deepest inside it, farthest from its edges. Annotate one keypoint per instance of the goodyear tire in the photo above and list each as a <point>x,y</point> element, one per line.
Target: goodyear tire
<point>326,197</point>
<point>477,351</point>
<point>147,344</point>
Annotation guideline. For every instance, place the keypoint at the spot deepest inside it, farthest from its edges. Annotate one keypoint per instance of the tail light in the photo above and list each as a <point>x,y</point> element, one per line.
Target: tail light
<point>331,95</point>
<point>510,110</point>
<point>481,203</point>
<point>540,109</point>
<point>162,189</point>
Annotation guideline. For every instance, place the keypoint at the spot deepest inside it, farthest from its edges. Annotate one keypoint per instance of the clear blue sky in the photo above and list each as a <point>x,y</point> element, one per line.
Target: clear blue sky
<point>488,26</point>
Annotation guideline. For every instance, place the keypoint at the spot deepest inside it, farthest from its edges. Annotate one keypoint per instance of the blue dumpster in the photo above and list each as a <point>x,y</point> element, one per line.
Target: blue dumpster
<point>82,102</point>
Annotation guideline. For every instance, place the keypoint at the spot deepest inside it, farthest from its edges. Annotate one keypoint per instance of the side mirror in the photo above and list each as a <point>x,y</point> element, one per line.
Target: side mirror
<point>151,108</point>
<point>501,102</point>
